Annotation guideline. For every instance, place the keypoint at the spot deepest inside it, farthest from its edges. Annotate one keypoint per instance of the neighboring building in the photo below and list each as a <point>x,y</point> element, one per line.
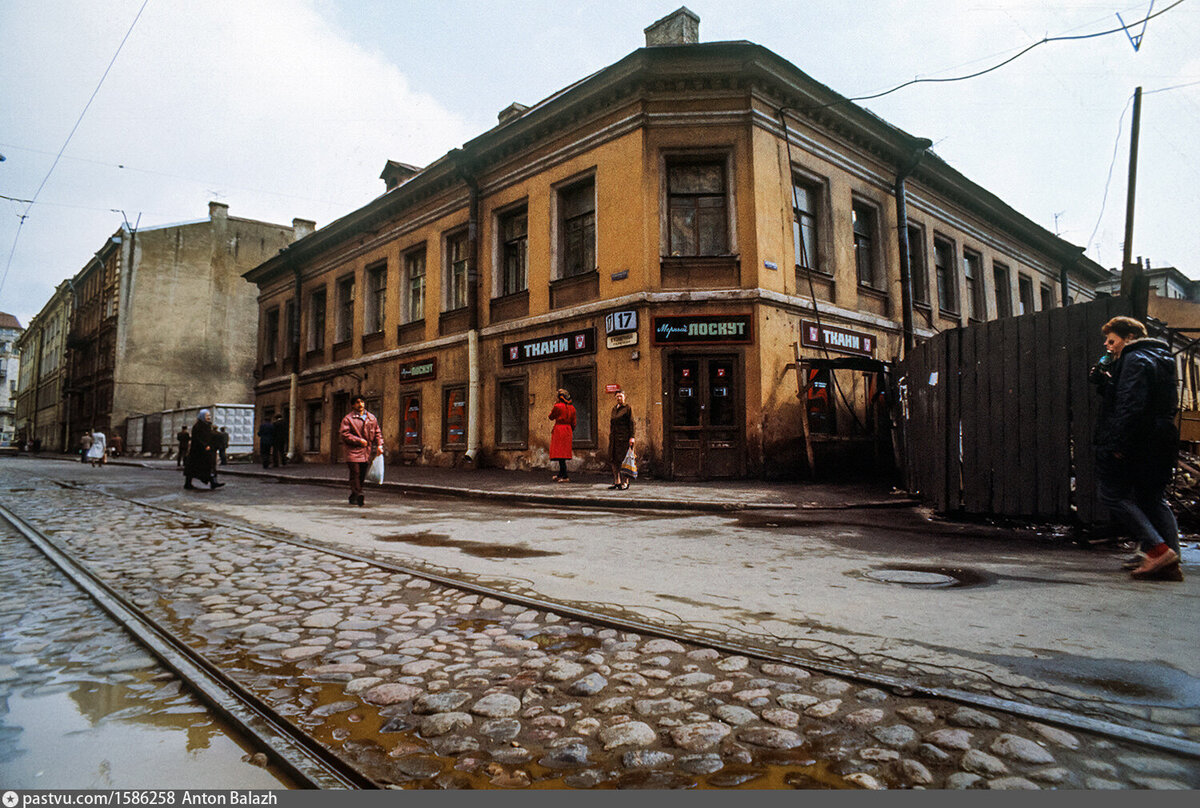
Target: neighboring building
<point>41,411</point>
<point>652,227</point>
<point>1167,282</point>
<point>10,369</point>
<point>162,318</point>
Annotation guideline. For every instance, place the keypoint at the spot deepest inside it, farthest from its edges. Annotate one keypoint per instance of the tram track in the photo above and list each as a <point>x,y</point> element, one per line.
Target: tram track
<point>306,762</point>
<point>1055,716</point>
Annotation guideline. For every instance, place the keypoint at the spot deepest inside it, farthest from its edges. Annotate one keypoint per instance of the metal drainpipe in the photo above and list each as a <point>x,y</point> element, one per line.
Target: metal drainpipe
<point>472,314</point>
<point>906,300</point>
<point>294,338</point>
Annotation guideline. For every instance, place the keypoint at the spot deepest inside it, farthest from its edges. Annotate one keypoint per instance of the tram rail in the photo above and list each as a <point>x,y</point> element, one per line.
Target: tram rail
<point>1054,716</point>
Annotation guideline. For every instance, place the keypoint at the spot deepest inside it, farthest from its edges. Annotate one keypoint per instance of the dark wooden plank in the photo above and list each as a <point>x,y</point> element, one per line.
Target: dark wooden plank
<point>1026,420</point>
<point>953,420</point>
<point>995,383</point>
<point>937,442</point>
<point>1083,351</point>
<point>1058,422</point>
<point>968,384</point>
<point>1010,461</point>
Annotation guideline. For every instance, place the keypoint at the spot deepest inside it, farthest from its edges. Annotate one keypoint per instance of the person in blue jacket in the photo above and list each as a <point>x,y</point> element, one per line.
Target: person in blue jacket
<point>1137,442</point>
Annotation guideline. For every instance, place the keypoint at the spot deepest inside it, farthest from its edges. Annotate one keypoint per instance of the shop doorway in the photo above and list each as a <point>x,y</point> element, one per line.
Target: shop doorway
<point>705,433</point>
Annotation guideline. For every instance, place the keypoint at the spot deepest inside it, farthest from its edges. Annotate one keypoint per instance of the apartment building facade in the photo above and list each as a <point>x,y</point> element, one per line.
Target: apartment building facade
<point>160,317</point>
<point>10,369</point>
<point>41,412</point>
<point>682,225</point>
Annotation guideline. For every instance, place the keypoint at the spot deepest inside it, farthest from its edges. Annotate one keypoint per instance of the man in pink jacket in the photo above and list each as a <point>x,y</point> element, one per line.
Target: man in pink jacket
<point>360,433</point>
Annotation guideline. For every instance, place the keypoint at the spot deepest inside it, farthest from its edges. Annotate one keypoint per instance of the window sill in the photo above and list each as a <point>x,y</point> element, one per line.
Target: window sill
<point>454,321</point>
<point>410,332</point>
<point>872,291</point>
<point>701,272</point>
<point>509,306</point>
<point>511,447</point>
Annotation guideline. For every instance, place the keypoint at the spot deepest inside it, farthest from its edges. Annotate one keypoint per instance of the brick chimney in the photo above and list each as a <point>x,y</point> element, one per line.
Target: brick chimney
<point>302,228</point>
<point>218,210</point>
<point>680,27</point>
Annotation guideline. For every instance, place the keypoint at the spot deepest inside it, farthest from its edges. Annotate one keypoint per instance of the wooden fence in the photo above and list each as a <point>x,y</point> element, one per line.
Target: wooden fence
<point>997,418</point>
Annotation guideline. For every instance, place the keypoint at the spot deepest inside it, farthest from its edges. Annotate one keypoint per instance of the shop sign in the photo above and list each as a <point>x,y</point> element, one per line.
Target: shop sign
<point>612,388</point>
<point>813,335</point>
<point>620,322</point>
<point>419,369</point>
<point>544,348</point>
<point>689,329</point>
<point>622,340</point>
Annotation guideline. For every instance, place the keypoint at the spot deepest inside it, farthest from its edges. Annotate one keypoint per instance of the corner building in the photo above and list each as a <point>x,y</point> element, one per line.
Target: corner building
<point>681,224</point>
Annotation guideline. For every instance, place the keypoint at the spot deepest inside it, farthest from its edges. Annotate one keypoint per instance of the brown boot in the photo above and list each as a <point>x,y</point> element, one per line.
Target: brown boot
<point>1170,572</point>
<point>1156,561</point>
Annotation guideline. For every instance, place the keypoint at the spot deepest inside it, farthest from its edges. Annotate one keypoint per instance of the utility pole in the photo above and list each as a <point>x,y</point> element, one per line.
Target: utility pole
<point>1133,279</point>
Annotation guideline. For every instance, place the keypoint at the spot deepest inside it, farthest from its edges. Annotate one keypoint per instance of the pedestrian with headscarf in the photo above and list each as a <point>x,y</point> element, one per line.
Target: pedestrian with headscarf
<point>620,439</point>
<point>563,434</point>
<point>201,459</point>
<point>97,452</point>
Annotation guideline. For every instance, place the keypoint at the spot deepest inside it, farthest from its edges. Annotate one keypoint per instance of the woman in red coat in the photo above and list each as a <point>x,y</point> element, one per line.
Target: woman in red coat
<point>563,416</point>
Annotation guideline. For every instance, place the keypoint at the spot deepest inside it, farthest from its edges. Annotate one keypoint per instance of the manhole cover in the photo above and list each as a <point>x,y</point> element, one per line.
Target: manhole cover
<point>912,578</point>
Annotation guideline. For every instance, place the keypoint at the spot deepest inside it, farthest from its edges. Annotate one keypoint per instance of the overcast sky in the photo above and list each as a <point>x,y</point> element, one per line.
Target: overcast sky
<point>290,108</point>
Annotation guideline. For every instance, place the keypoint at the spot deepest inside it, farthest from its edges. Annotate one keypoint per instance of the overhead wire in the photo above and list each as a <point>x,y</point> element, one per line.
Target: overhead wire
<point>71,134</point>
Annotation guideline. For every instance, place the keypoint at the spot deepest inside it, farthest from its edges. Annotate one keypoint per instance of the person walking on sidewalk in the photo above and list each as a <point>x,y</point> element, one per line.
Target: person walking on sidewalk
<point>201,463</point>
<point>620,439</point>
<point>222,438</point>
<point>364,441</point>
<point>563,434</point>
<point>266,440</point>
<point>184,440</point>
<point>98,450</point>
<point>280,438</point>
<point>85,445</point>
<point>1137,443</point>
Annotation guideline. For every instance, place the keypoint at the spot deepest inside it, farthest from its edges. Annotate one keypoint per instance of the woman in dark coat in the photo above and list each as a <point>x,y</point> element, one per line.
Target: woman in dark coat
<point>562,436</point>
<point>620,438</point>
<point>201,458</point>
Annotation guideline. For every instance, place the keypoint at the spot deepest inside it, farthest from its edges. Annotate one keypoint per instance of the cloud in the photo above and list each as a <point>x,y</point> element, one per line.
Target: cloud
<point>263,105</point>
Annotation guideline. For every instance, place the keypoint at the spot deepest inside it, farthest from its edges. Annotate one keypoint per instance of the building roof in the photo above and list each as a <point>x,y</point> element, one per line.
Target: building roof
<point>8,321</point>
<point>796,93</point>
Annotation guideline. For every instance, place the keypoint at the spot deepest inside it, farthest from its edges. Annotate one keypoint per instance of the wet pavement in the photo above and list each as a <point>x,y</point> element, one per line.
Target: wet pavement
<point>83,706</point>
<point>425,685</point>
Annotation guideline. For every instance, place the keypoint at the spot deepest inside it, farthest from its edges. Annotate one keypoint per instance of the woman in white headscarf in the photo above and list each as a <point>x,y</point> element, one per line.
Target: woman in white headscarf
<point>201,459</point>
<point>96,452</point>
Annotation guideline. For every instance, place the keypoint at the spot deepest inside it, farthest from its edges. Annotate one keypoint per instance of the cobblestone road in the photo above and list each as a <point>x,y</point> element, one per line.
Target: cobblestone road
<point>423,685</point>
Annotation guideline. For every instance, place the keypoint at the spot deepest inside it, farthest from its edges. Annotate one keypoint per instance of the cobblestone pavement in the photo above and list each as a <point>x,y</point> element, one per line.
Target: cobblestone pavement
<point>76,687</point>
<point>423,685</point>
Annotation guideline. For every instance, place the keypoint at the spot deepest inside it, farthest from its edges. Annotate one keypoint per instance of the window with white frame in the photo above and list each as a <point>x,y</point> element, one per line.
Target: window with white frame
<point>577,228</point>
<point>344,324</point>
<point>375,301</point>
<point>805,198</point>
<point>973,273</point>
<point>414,285</point>
<point>316,320</point>
<point>1001,280</point>
<point>697,207</point>
<point>947,279</point>
<point>456,271</point>
<point>513,230</point>
<point>866,256</point>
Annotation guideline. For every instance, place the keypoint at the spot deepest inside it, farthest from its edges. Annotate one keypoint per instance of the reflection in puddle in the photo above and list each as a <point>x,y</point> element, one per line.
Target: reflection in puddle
<point>107,735</point>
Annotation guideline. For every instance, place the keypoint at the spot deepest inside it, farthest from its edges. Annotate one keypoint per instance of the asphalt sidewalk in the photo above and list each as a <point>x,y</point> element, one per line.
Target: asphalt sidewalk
<point>585,488</point>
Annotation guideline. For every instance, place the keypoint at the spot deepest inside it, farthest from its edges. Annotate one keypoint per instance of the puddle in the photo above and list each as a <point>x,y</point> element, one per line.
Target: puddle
<point>472,548</point>
<point>109,735</point>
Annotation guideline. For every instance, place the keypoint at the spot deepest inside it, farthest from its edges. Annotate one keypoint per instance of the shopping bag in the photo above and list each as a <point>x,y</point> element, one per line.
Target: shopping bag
<point>375,473</point>
<point>629,464</point>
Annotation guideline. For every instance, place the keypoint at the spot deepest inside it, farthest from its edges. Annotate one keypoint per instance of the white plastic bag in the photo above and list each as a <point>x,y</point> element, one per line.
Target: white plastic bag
<point>375,473</point>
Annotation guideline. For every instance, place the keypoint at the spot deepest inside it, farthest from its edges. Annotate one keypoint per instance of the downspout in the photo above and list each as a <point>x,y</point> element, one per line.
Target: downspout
<point>472,311</point>
<point>906,299</point>
<point>294,339</point>
<point>1063,271</point>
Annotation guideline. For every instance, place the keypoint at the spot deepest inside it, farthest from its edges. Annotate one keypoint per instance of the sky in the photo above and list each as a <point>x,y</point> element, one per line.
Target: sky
<point>288,109</point>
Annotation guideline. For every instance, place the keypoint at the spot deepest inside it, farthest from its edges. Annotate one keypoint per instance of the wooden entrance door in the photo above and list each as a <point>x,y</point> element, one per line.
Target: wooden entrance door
<point>706,435</point>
